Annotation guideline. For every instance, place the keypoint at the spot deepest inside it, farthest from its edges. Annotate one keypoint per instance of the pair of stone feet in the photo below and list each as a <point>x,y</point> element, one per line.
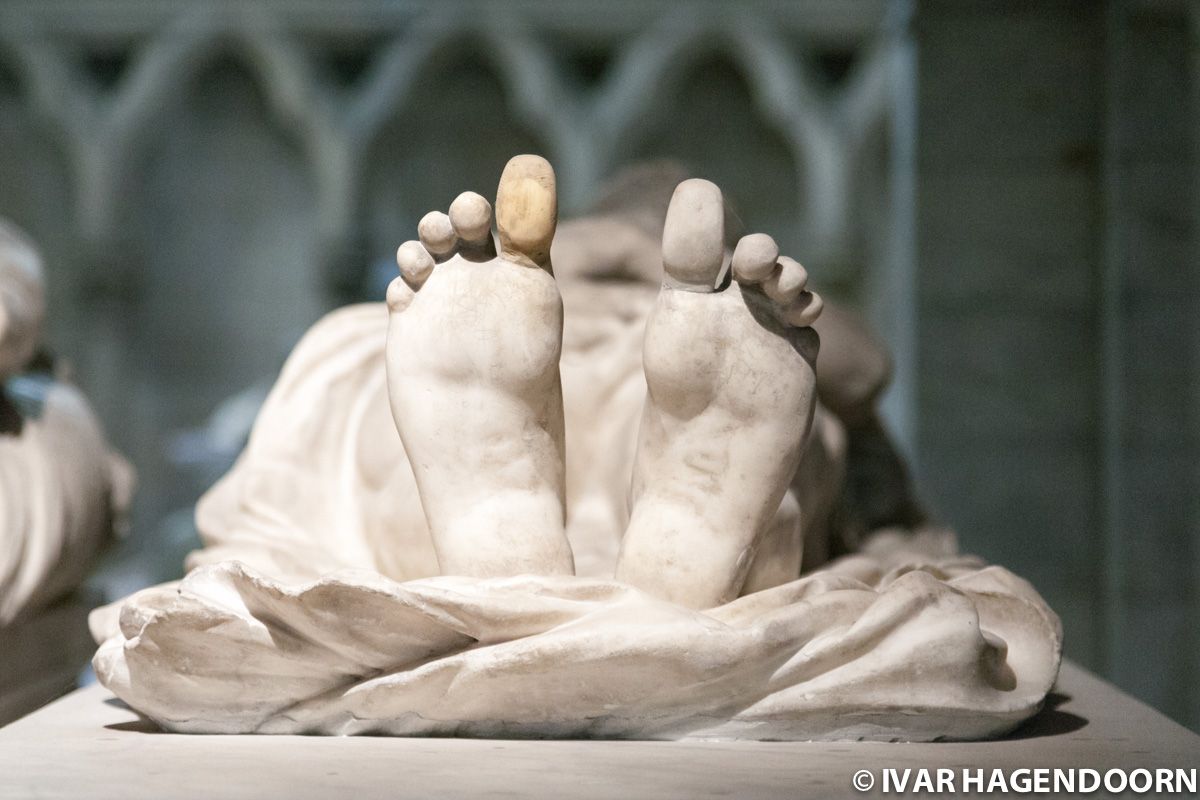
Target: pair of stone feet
<point>473,350</point>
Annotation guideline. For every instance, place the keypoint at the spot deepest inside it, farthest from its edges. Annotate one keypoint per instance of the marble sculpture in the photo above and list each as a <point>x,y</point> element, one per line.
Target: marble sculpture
<point>563,487</point>
<point>62,489</point>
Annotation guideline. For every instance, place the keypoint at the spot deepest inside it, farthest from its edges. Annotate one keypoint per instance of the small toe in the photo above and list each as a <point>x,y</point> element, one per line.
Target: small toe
<point>754,258</point>
<point>471,218</point>
<point>804,310</point>
<point>693,245</point>
<point>415,263</point>
<point>527,209</point>
<point>399,295</point>
<point>786,282</point>
<point>437,234</point>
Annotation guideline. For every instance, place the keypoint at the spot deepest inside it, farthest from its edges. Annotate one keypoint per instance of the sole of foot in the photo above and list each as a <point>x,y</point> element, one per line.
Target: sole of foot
<point>473,347</point>
<point>729,363</point>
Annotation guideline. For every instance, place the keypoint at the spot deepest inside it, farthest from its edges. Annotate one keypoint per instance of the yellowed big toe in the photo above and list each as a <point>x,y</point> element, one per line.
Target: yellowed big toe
<point>527,210</point>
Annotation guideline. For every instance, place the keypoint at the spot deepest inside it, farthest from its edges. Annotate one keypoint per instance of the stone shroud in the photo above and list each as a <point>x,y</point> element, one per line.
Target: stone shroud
<point>950,651</point>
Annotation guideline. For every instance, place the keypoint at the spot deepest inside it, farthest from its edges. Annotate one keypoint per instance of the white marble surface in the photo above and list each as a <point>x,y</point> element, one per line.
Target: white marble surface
<point>88,745</point>
<point>854,651</point>
<point>61,488</point>
<point>500,635</point>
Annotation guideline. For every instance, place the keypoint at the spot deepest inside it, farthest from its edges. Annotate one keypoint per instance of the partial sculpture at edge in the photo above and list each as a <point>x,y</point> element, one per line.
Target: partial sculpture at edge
<point>355,581</point>
<point>61,488</point>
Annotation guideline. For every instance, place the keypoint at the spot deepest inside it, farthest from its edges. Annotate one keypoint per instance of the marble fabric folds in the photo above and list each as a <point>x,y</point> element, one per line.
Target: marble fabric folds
<point>61,489</point>
<point>951,650</point>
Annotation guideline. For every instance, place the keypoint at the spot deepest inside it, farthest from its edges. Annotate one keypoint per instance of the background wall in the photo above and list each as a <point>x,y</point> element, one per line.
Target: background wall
<point>1059,316</point>
<point>1005,190</point>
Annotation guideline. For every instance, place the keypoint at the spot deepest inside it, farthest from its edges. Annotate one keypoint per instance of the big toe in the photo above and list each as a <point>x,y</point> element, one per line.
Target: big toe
<point>694,236</point>
<point>527,209</point>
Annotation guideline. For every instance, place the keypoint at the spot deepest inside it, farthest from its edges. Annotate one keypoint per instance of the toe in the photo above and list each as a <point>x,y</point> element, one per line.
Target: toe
<point>415,263</point>
<point>694,236</point>
<point>399,295</point>
<point>786,282</point>
<point>471,218</point>
<point>437,234</point>
<point>527,209</point>
<point>754,258</point>
<point>804,310</point>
